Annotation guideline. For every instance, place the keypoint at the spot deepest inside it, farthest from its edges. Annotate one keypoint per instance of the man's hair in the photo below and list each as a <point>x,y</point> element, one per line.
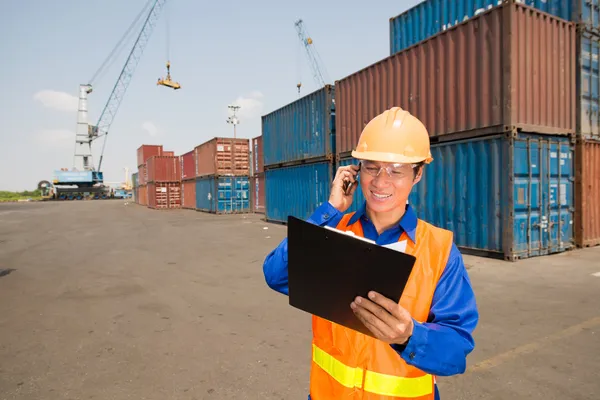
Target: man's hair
<point>418,167</point>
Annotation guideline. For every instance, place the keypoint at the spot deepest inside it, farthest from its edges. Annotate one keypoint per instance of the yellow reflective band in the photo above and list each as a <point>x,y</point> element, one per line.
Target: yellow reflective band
<point>382,384</point>
<point>345,375</point>
<point>397,386</point>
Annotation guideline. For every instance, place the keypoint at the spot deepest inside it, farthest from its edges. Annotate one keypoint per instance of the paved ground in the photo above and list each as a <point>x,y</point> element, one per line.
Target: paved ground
<point>99,300</point>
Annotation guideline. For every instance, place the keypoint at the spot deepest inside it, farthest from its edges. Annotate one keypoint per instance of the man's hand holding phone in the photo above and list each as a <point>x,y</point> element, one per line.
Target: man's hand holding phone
<point>343,187</point>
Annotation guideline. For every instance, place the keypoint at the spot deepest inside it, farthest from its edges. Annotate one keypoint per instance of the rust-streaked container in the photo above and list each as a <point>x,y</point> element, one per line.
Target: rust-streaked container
<point>223,156</point>
<point>142,174</point>
<point>164,169</point>
<point>164,195</point>
<point>188,194</point>
<point>188,165</point>
<point>587,193</point>
<point>257,191</point>
<point>258,166</point>
<point>509,68</point>
<point>143,195</point>
<point>145,151</point>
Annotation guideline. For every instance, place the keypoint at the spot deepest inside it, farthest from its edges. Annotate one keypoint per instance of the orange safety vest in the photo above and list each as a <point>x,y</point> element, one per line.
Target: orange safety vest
<point>347,364</point>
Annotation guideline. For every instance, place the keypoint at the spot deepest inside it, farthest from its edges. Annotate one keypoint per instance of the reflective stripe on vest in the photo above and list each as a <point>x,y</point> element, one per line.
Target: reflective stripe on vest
<point>374,382</point>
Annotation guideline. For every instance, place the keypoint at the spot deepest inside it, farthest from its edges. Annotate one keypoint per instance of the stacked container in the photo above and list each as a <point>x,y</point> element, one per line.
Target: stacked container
<point>222,176</point>
<point>497,95</point>
<point>257,176</point>
<point>188,180</point>
<point>299,154</point>
<point>144,152</point>
<point>164,182</point>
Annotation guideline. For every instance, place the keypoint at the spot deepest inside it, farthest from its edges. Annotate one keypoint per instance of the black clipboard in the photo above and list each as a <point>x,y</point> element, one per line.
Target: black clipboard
<point>328,269</point>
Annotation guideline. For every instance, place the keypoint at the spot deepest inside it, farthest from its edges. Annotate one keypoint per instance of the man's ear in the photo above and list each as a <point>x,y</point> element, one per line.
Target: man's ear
<point>418,174</point>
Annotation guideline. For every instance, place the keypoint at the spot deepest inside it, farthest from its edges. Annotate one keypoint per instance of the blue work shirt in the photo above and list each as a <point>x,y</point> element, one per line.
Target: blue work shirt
<point>440,345</point>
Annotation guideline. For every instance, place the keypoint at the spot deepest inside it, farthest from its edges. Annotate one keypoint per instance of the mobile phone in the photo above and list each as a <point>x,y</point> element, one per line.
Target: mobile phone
<point>348,185</point>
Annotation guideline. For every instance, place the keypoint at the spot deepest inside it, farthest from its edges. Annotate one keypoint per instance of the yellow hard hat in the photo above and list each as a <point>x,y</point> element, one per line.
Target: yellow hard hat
<point>394,136</point>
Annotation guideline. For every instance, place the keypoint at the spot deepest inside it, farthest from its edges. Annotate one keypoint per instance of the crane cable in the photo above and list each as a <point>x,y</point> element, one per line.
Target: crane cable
<point>103,68</point>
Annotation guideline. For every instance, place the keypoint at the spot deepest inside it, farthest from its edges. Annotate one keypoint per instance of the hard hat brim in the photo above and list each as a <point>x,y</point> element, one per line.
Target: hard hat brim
<point>389,157</point>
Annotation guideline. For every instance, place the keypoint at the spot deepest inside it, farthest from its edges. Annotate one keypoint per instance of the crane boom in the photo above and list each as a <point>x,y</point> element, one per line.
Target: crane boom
<point>319,72</point>
<point>114,101</point>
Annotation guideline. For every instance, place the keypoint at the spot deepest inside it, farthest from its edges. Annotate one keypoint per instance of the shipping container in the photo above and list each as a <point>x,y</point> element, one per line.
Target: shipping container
<point>223,194</point>
<point>143,195</point>
<point>168,153</point>
<point>188,194</point>
<point>301,130</point>
<point>509,68</point>
<point>588,85</point>
<point>431,17</point>
<point>257,190</point>
<point>587,193</point>
<point>134,180</point>
<point>142,174</point>
<point>145,151</point>
<point>188,165</point>
<point>164,169</point>
<point>257,155</point>
<point>504,195</point>
<point>297,190</point>
<point>223,156</point>
<point>164,195</point>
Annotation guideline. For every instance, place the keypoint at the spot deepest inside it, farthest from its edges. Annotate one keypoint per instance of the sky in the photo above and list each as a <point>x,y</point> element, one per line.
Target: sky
<point>234,52</point>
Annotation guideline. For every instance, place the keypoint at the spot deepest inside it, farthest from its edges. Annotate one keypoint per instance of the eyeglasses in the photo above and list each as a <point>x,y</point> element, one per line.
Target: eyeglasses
<point>394,171</point>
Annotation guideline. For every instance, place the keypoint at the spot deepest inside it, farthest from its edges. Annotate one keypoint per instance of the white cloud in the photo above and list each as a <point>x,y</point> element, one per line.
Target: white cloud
<point>251,105</point>
<point>57,100</point>
<point>55,138</point>
<point>150,128</point>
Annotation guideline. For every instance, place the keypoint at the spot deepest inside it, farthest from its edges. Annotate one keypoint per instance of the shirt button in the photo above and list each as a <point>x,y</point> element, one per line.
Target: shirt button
<point>412,356</point>
<point>326,216</point>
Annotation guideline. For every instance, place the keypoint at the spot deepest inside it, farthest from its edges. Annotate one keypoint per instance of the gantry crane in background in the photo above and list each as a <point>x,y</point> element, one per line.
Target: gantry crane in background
<point>85,180</point>
<point>316,64</point>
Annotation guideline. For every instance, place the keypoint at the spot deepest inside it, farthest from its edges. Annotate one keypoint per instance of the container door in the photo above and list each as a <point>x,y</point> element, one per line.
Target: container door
<point>561,177</point>
<point>589,85</point>
<point>590,13</point>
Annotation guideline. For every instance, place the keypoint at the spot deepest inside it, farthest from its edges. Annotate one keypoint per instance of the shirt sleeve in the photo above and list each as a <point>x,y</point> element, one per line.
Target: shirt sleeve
<point>440,346</point>
<point>275,267</point>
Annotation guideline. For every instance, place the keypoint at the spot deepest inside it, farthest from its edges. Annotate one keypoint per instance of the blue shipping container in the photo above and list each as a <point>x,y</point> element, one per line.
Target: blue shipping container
<point>431,17</point>
<point>511,196</point>
<point>302,130</point>
<point>296,190</point>
<point>223,194</point>
<point>588,84</point>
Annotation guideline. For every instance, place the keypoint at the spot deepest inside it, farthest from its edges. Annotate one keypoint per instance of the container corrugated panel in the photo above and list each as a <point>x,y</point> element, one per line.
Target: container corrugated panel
<point>168,153</point>
<point>223,194</point>
<point>258,157</point>
<point>188,165</point>
<point>188,194</point>
<point>297,190</point>
<point>257,190</point>
<point>511,67</point>
<point>431,17</point>
<point>164,195</point>
<point>501,195</point>
<point>587,193</point>
<point>143,195</point>
<point>588,85</point>
<point>223,156</point>
<point>142,174</point>
<point>301,130</point>
<point>164,169</point>
<point>358,199</point>
<point>145,151</point>
<point>134,179</point>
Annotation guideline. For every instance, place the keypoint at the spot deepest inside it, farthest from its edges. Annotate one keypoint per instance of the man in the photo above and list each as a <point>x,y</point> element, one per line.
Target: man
<point>429,333</point>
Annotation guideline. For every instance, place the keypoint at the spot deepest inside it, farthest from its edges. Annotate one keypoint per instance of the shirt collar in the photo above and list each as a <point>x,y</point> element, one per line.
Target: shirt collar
<point>408,222</point>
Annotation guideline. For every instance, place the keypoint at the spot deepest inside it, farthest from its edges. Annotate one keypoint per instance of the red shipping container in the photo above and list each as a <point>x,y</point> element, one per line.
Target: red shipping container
<point>142,175</point>
<point>164,195</point>
<point>188,165</point>
<point>587,193</point>
<point>223,156</point>
<point>143,195</point>
<point>145,151</point>
<point>168,153</point>
<point>257,155</point>
<point>509,68</point>
<point>188,194</point>
<point>257,188</point>
<point>164,169</point>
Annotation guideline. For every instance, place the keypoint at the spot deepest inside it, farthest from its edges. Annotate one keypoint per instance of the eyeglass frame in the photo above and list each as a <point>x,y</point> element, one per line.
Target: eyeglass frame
<point>413,166</point>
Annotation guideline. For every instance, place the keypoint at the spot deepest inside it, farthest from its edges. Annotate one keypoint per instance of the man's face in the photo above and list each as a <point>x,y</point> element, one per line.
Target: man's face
<point>386,186</point>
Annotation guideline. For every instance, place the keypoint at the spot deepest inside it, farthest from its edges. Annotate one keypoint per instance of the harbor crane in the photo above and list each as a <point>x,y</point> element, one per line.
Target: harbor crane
<point>85,180</point>
<point>319,73</point>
